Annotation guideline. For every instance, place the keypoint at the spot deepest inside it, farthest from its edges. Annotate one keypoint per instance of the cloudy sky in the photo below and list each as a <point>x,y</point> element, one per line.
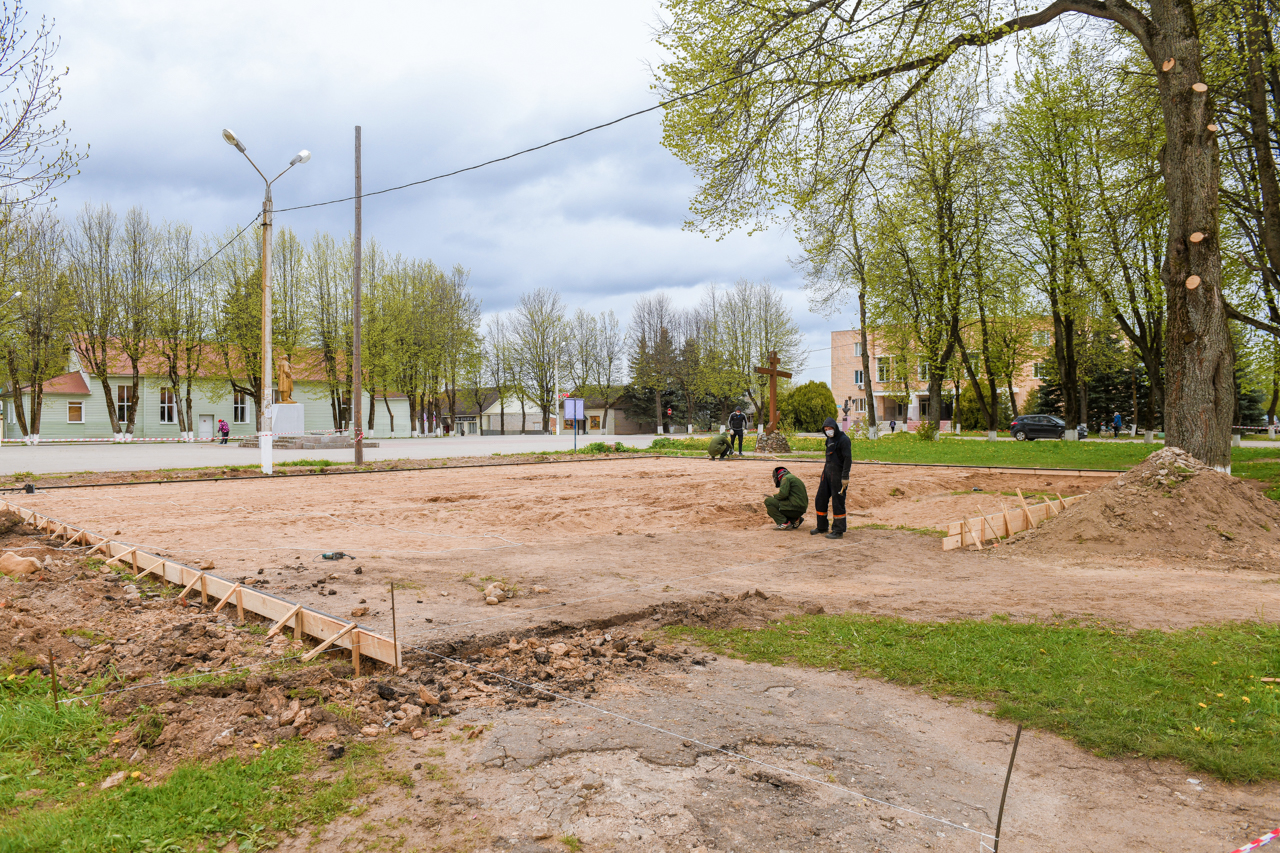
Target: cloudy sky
<point>435,86</point>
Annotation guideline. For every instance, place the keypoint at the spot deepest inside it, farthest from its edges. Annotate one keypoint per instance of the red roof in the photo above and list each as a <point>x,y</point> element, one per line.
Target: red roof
<point>67,383</point>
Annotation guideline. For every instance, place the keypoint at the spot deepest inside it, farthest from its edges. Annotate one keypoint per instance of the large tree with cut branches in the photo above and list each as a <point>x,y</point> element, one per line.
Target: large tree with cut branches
<point>809,88</point>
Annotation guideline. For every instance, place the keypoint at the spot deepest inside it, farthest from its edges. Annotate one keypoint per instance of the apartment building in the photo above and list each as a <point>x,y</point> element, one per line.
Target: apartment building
<point>901,390</point>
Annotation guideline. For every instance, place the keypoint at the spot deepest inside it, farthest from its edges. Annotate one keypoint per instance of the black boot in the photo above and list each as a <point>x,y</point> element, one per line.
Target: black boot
<point>834,535</point>
<point>815,531</point>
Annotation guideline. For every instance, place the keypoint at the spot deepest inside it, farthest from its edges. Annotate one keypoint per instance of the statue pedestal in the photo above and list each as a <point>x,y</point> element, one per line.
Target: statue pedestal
<point>288,419</point>
<point>773,443</point>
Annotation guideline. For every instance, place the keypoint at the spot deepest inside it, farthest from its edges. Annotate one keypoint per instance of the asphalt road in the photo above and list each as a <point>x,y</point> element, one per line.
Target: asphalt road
<point>63,458</point>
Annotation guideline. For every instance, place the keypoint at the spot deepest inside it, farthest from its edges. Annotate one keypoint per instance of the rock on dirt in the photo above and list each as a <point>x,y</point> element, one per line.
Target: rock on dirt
<point>1172,505</point>
<point>15,565</point>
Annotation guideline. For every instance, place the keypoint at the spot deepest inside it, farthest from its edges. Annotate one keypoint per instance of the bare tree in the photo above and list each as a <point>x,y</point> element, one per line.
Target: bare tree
<point>537,327</point>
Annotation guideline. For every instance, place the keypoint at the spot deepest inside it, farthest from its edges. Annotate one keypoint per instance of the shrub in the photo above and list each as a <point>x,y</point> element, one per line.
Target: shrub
<point>807,407</point>
<point>927,431</point>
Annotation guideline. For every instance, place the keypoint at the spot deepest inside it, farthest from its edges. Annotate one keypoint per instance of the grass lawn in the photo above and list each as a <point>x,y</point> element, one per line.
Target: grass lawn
<point>1192,695</point>
<point>50,798</point>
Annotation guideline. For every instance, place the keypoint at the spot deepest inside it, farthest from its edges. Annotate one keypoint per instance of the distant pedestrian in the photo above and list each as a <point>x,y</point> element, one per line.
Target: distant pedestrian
<point>893,425</point>
<point>224,429</point>
<point>1117,423</point>
<point>737,426</point>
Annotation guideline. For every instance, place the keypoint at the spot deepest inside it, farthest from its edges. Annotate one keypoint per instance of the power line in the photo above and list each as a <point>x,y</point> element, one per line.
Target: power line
<point>660,105</point>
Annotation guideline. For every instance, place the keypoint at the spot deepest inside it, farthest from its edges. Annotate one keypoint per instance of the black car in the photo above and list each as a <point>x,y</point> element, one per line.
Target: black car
<point>1031,427</point>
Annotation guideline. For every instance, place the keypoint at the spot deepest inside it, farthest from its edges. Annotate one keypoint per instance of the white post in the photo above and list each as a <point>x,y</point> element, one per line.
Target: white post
<point>557,369</point>
<point>268,397</point>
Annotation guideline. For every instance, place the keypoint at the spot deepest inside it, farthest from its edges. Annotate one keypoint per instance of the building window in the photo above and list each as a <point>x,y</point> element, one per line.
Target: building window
<point>857,348</point>
<point>168,406</point>
<point>75,412</point>
<point>857,378</point>
<point>860,405</point>
<point>124,398</point>
<point>1040,338</point>
<point>924,408</point>
<point>883,369</point>
<point>924,371</point>
<point>240,408</point>
<point>1037,370</point>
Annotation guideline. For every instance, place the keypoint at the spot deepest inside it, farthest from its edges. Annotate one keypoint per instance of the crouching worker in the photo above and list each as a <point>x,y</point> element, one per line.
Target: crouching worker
<point>787,507</point>
<point>719,447</point>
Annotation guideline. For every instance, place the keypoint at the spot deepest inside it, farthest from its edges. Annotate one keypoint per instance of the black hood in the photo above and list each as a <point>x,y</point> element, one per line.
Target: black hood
<point>831,422</point>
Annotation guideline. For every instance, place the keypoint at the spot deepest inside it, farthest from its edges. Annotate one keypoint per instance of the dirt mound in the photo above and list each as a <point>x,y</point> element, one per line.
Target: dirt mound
<point>1170,505</point>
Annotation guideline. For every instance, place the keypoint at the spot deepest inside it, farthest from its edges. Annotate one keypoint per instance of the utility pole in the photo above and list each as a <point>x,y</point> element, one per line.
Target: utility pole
<point>356,390</point>
<point>268,396</point>
<point>557,397</point>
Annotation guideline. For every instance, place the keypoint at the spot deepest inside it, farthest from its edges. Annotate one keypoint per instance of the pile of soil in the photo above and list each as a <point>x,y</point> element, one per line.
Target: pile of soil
<point>1171,505</point>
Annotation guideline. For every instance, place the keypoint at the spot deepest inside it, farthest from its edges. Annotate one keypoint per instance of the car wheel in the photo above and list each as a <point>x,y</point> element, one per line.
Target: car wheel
<point>1020,435</point>
<point>1062,433</point>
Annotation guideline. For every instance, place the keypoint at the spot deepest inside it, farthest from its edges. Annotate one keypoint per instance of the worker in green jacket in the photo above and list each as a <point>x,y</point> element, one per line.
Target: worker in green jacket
<point>719,447</point>
<point>788,506</point>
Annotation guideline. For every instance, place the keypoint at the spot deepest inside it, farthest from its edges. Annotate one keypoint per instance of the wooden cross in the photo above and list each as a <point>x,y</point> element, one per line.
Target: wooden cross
<point>773,373</point>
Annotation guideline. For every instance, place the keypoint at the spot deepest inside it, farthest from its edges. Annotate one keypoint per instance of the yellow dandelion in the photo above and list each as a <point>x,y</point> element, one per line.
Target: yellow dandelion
<point>1219,695</point>
<point>1244,698</point>
<point>137,774</point>
<point>1202,705</point>
<point>1197,728</point>
<point>1233,721</point>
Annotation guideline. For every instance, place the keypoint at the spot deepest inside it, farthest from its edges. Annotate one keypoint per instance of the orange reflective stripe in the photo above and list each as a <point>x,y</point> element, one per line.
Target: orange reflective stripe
<point>822,513</point>
<point>838,516</point>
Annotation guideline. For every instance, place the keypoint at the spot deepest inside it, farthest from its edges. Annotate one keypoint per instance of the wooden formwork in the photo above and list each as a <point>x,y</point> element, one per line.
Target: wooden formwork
<point>1001,525</point>
<point>329,630</point>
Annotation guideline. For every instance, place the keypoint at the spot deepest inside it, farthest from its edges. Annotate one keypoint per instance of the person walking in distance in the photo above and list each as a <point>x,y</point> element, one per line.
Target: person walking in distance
<point>835,482</point>
<point>737,427</point>
<point>224,429</point>
<point>1116,425</point>
<point>788,506</point>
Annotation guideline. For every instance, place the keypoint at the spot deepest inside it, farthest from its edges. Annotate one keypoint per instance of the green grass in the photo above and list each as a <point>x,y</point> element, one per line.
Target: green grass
<point>308,463</point>
<point>1116,692</point>
<point>905,447</point>
<point>199,805</point>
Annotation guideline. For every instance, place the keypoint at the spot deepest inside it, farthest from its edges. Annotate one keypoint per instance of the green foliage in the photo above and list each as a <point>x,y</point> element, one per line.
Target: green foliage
<point>1191,695</point>
<point>927,431</point>
<point>808,406</point>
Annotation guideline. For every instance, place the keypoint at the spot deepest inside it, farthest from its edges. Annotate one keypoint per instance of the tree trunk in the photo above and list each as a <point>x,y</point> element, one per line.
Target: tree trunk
<point>1013,402</point>
<point>15,385</point>
<point>391,418</point>
<point>373,410</point>
<point>133,399</point>
<point>866,361</point>
<point>1200,398</point>
<point>111,405</point>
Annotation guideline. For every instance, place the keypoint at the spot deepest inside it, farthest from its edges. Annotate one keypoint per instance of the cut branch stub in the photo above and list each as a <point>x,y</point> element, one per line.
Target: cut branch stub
<point>1168,65</point>
<point>1213,128</point>
<point>1199,87</point>
<point>1197,237</point>
<point>1193,282</point>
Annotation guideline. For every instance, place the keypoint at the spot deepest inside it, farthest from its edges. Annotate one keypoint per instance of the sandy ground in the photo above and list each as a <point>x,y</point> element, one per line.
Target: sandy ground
<point>605,541</point>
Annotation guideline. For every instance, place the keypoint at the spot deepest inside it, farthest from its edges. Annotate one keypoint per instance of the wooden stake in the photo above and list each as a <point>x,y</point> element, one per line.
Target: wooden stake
<point>1008,523</point>
<point>186,589</point>
<point>275,629</point>
<point>1061,501</point>
<point>1053,510</point>
<point>395,641</point>
<point>1026,510</point>
<point>125,555</point>
<point>223,603</point>
<point>239,604</point>
<point>53,673</point>
<point>297,624</point>
<point>965,522</point>
<point>314,653</point>
<point>204,589</point>
<point>102,545</point>
<point>355,652</point>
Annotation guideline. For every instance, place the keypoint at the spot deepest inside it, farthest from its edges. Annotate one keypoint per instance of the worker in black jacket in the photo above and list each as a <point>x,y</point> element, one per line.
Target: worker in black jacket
<point>737,426</point>
<point>835,481</point>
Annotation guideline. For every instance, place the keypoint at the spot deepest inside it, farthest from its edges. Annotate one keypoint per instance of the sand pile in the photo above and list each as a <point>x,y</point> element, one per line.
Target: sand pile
<point>1170,505</point>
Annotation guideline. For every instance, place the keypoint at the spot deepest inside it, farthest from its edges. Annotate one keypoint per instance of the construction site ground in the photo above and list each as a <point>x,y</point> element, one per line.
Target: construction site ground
<point>651,745</point>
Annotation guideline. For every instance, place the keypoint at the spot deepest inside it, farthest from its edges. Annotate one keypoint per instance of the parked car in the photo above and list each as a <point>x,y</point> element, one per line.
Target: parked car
<point>1031,427</point>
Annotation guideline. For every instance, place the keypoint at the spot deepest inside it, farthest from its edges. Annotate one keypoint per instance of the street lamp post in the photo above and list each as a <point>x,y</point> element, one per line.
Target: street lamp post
<point>267,397</point>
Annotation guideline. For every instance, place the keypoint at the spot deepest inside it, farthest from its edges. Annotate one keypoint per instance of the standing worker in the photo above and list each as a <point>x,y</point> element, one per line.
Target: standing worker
<point>788,506</point>
<point>719,447</point>
<point>1117,424</point>
<point>835,481</point>
<point>737,426</point>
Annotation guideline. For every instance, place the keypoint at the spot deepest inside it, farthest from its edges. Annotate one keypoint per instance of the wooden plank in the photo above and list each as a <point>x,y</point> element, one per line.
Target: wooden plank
<point>975,539</point>
<point>275,629</point>
<point>312,623</point>
<point>1053,510</point>
<point>314,653</point>
<point>1026,510</point>
<point>1008,523</point>
<point>355,652</point>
